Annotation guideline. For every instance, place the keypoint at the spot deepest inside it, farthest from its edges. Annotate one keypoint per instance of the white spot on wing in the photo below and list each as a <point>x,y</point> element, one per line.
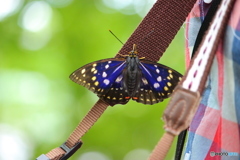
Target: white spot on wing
<point>157,70</point>
<point>159,78</point>
<point>109,61</point>
<point>107,66</point>
<point>144,81</point>
<point>119,78</point>
<point>106,81</point>
<point>104,74</point>
<point>156,85</point>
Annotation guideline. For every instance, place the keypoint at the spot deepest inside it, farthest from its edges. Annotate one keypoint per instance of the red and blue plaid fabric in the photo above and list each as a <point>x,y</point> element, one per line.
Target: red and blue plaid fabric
<point>215,130</point>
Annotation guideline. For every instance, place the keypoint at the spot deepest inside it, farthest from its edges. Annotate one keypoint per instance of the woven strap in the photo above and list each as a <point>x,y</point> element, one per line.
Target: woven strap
<point>164,19</point>
<point>187,95</point>
<point>73,143</point>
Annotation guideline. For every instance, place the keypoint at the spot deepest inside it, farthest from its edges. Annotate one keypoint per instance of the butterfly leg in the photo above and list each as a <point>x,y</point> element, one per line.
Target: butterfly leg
<point>142,58</point>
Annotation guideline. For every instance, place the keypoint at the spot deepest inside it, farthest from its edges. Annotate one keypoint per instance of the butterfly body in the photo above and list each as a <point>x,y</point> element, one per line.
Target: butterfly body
<point>117,80</point>
<point>132,74</point>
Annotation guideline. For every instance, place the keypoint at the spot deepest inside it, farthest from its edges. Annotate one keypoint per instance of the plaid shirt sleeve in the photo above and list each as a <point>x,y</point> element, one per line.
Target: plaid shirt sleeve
<point>215,130</point>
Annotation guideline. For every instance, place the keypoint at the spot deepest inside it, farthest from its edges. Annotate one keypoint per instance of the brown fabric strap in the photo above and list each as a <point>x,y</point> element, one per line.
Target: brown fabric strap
<point>184,101</point>
<point>159,152</point>
<point>164,19</point>
<point>87,122</point>
<point>55,154</point>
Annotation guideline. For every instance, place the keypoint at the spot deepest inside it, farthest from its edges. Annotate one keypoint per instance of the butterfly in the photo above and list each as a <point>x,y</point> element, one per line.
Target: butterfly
<point>117,80</point>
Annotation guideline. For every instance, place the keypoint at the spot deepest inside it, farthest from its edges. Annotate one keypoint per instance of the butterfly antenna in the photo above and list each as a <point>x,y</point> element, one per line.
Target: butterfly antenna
<point>116,37</point>
<point>146,36</point>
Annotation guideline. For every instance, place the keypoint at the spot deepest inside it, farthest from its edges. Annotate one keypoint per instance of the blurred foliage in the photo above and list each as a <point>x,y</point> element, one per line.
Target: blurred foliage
<point>38,101</point>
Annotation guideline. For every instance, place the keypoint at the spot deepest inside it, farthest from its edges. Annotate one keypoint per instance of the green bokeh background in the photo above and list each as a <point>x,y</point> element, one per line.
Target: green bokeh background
<point>39,101</point>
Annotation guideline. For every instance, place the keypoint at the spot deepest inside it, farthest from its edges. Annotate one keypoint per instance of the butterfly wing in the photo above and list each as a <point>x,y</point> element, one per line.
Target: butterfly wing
<point>103,77</point>
<point>158,82</point>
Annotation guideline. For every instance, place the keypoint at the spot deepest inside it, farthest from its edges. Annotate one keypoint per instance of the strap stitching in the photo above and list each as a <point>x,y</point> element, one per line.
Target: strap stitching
<point>198,68</point>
